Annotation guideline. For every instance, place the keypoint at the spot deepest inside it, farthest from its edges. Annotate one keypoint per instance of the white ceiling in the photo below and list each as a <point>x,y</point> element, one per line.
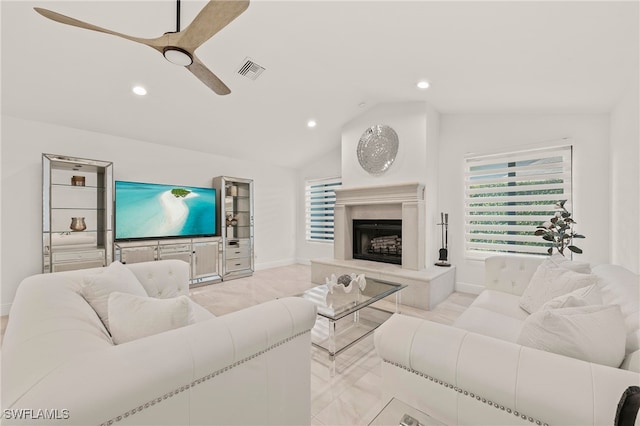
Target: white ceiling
<point>322,59</point>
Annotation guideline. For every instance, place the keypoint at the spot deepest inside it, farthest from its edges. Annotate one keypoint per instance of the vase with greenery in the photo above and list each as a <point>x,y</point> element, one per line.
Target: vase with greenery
<point>559,231</point>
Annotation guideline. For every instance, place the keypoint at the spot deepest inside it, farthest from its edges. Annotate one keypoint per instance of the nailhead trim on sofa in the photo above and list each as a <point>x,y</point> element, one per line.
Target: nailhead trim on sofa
<point>469,394</point>
<point>198,381</point>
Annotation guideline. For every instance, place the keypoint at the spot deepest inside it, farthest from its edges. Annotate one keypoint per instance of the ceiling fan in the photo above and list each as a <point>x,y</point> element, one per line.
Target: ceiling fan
<point>179,47</point>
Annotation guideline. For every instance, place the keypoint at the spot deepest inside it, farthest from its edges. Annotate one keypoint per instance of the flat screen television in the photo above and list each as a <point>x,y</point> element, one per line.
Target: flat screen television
<point>150,210</point>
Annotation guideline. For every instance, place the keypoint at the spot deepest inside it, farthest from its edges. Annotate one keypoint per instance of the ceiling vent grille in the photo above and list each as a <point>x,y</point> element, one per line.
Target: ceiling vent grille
<point>250,69</point>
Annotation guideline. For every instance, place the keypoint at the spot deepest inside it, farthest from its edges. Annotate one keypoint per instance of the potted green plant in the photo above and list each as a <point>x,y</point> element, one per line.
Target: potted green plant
<point>559,231</point>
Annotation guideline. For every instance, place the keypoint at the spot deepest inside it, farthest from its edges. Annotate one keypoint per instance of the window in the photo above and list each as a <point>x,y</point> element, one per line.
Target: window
<point>508,194</point>
<point>320,198</point>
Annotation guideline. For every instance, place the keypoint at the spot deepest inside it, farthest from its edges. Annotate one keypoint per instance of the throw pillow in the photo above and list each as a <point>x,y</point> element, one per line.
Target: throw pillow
<point>116,277</point>
<point>581,297</point>
<point>593,333</point>
<point>132,317</point>
<point>550,281</point>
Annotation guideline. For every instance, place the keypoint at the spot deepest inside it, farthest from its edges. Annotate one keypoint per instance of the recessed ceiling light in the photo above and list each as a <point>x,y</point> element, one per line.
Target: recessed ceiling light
<point>139,90</point>
<point>311,123</point>
<point>424,84</point>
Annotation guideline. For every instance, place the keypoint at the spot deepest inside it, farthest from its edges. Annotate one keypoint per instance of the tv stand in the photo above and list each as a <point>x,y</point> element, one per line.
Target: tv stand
<point>203,254</point>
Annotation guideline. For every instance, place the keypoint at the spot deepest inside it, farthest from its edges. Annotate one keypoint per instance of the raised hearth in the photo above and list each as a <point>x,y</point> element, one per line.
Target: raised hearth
<point>426,288</point>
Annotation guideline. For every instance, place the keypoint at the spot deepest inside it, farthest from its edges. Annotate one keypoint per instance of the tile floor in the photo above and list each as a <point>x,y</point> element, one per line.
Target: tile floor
<point>352,396</point>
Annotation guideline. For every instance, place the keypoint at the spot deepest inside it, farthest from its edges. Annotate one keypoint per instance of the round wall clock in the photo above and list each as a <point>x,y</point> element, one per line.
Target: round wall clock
<point>377,149</point>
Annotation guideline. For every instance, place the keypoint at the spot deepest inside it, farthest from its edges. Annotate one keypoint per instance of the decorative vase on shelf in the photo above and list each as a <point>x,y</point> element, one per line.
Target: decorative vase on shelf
<point>77,180</point>
<point>78,224</point>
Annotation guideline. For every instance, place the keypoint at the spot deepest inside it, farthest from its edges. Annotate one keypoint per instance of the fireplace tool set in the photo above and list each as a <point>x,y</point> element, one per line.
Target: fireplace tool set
<point>444,251</point>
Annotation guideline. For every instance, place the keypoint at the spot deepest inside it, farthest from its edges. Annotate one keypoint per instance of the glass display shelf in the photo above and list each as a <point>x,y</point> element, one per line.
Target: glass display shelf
<point>69,231</point>
<point>78,187</point>
<point>77,212</point>
<point>93,209</point>
<point>236,226</point>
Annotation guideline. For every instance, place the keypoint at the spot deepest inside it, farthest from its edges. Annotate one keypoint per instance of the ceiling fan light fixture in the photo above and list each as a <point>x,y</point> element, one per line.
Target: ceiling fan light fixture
<point>177,56</point>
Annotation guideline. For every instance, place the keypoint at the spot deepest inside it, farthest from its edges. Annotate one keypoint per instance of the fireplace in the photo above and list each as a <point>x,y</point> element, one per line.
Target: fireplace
<point>379,240</point>
<point>400,202</point>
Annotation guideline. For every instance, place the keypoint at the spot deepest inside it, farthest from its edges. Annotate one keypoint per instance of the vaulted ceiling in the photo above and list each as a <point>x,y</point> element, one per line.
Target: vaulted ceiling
<point>325,60</point>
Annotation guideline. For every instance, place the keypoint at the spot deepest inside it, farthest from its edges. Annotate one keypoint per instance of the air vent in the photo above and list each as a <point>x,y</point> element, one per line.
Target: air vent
<point>250,69</point>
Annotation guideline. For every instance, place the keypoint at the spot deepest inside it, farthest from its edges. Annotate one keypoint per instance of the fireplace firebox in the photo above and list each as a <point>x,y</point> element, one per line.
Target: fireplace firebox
<point>378,240</point>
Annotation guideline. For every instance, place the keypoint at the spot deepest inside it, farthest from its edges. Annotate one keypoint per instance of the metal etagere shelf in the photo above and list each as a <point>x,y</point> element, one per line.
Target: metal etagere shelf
<point>77,213</point>
<point>235,197</point>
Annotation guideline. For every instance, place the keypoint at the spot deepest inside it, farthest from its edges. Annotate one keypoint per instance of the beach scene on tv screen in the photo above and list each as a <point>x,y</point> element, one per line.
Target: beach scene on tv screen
<point>152,210</point>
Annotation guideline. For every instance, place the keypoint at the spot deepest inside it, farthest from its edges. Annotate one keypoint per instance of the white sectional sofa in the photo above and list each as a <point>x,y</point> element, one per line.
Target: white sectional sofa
<point>475,372</point>
<point>60,365</point>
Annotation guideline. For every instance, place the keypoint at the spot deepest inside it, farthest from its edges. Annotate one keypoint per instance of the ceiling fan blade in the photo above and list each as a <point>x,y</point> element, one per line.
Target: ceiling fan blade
<point>55,16</point>
<point>207,77</point>
<point>213,17</point>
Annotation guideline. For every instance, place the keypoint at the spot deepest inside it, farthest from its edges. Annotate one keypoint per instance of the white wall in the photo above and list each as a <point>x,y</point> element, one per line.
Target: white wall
<point>23,143</point>
<point>460,134</point>
<point>327,166</point>
<point>417,126</point>
<point>409,120</point>
<point>625,181</point>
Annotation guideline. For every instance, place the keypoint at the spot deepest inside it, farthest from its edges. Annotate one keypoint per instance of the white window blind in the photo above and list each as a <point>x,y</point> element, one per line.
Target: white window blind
<point>320,200</point>
<point>508,194</point>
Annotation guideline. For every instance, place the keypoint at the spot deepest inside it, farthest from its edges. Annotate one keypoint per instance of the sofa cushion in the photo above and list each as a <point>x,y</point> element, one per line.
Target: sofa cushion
<point>486,321</point>
<point>163,280</point>
<point>632,362</point>
<point>592,333</point>
<point>98,286</point>
<point>510,273</point>
<point>583,296</point>
<point>132,317</point>
<point>550,281</point>
<point>501,303</point>
<point>619,286</point>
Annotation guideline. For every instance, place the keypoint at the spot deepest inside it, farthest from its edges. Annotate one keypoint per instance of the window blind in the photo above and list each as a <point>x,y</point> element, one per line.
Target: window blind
<point>320,199</point>
<point>508,194</point>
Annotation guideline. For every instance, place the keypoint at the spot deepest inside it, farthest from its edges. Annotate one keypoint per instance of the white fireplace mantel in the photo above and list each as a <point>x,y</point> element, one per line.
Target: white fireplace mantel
<point>382,194</point>
<point>400,201</point>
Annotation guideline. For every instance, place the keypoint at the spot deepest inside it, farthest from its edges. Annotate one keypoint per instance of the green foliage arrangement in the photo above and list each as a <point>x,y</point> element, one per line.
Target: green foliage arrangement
<point>180,192</point>
<point>558,231</point>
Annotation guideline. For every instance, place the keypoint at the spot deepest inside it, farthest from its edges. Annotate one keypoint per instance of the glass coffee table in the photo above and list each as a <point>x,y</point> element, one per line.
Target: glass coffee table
<point>346,318</point>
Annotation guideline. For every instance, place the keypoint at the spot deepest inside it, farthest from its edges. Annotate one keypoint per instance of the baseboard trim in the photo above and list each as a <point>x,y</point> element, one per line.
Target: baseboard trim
<point>275,264</point>
<point>4,309</point>
<point>469,288</point>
